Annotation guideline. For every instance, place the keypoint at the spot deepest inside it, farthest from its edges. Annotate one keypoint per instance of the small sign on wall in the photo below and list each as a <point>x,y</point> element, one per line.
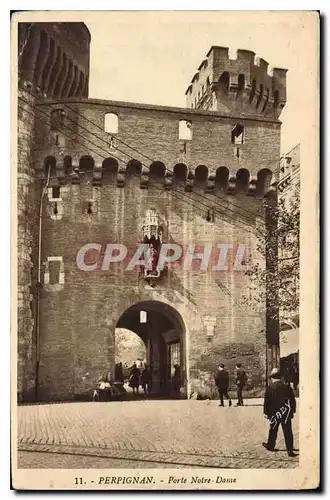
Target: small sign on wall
<point>143,316</point>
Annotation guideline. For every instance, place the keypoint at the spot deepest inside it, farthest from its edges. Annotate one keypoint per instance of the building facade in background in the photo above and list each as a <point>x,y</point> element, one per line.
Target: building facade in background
<point>100,173</point>
<point>289,193</point>
<point>289,178</point>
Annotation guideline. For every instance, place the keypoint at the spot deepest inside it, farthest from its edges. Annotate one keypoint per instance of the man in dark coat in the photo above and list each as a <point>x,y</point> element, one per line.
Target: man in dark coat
<point>241,380</point>
<point>295,375</point>
<point>146,379</point>
<point>279,408</point>
<point>221,379</point>
<point>176,381</point>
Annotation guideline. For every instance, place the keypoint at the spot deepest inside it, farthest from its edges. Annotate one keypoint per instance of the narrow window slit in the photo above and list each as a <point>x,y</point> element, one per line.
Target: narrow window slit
<point>210,217</point>
<point>56,191</point>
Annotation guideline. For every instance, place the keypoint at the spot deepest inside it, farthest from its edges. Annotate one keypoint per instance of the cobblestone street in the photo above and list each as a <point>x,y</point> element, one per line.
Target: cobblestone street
<point>147,433</point>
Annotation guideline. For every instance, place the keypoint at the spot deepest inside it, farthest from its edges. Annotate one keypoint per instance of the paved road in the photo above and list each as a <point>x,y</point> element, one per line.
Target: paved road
<point>149,434</point>
<point>46,460</point>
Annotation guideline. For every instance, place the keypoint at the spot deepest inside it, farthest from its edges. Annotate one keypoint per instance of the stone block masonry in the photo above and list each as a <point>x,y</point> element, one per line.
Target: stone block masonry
<point>27,205</point>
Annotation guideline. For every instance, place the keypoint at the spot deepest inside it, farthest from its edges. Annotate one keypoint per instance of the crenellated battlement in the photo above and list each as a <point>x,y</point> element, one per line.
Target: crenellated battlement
<point>244,85</point>
<point>155,134</point>
<point>86,169</point>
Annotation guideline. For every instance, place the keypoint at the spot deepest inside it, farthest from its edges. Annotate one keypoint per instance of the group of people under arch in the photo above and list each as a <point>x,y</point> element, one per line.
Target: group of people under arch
<point>139,375</point>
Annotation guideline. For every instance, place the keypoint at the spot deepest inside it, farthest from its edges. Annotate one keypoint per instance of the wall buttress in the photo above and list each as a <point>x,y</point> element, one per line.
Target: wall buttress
<point>69,81</point>
<point>75,83</point>
<point>42,61</point>
<point>31,54</point>
<point>63,76</point>
<point>55,72</point>
<point>53,56</point>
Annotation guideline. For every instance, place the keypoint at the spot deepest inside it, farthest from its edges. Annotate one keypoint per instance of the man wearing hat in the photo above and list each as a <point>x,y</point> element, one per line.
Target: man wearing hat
<point>241,379</point>
<point>279,408</point>
<point>222,382</point>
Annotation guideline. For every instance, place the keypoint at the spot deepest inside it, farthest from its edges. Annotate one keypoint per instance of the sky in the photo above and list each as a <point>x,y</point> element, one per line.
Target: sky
<point>150,57</point>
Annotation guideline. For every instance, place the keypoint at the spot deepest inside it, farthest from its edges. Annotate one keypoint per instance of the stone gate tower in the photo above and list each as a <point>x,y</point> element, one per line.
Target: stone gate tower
<point>96,174</point>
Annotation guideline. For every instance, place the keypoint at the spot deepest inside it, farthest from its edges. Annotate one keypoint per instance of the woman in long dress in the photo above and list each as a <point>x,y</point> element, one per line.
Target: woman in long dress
<point>105,387</point>
<point>134,379</point>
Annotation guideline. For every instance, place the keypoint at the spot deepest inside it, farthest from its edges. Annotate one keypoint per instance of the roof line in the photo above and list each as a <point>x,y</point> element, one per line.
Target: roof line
<point>156,107</point>
<point>294,147</point>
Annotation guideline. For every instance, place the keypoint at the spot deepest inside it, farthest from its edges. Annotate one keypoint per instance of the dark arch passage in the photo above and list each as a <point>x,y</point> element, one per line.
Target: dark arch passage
<point>162,330</point>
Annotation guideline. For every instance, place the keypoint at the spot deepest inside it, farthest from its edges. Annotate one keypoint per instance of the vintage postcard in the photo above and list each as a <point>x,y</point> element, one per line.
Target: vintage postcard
<point>165,236</point>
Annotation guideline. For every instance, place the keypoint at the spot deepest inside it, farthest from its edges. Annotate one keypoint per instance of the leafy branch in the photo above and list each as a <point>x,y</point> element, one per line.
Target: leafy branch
<point>275,280</point>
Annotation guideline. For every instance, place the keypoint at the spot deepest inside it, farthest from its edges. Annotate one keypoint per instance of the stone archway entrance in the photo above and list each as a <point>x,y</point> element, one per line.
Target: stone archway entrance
<point>162,330</point>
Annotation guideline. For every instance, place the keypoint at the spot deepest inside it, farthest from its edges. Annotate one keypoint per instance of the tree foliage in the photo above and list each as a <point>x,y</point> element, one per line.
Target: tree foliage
<point>128,347</point>
<point>275,279</point>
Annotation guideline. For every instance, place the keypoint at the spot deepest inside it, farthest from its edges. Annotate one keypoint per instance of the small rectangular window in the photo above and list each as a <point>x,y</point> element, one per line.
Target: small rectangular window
<point>54,272</point>
<point>89,207</point>
<point>57,119</point>
<point>183,148</point>
<point>111,123</point>
<point>59,139</point>
<point>56,192</point>
<point>237,134</point>
<point>210,216</point>
<point>185,130</point>
<point>143,316</point>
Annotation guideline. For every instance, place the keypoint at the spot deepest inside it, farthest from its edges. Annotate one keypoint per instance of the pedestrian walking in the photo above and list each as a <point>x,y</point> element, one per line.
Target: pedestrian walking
<point>134,379</point>
<point>176,381</point>
<point>146,379</point>
<point>221,379</point>
<point>104,389</point>
<point>295,375</point>
<point>286,371</point>
<point>119,373</point>
<point>279,408</point>
<point>241,379</point>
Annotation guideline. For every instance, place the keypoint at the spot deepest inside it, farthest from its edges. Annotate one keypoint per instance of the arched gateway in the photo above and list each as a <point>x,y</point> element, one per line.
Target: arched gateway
<point>162,330</point>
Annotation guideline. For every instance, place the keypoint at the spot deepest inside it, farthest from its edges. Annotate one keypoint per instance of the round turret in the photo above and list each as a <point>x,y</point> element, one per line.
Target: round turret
<point>53,59</point>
